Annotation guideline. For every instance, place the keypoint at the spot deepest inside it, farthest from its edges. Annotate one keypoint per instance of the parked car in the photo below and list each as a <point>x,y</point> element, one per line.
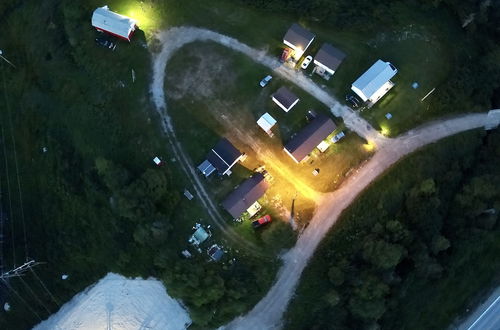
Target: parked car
<point>287,52</point>
<point>265,81</point>
<point>261,221</point>
<point>337,137</point>
<point>306,61</point>
<point>353,100</point>
<point>105,42</point>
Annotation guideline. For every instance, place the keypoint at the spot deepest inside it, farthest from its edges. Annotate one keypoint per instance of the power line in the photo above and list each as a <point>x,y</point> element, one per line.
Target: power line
<point>21,298</point>
<point>33,294</point>
<point>11,220</point>
<point>46,289</point>
<point>17,166</point>
<point>1,228</point>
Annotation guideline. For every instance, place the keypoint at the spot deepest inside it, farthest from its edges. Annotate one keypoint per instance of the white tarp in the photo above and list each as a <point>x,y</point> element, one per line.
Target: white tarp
<point>116,302</point>
<point>323,146</point>
<point>106,20</point>
<point>266,122</point>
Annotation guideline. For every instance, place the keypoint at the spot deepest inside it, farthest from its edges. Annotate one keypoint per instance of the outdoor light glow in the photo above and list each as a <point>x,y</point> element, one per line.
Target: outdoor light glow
<point>142,12</point>
<point>369,146</point>
<point>384,130</point>
<point>291,179</point>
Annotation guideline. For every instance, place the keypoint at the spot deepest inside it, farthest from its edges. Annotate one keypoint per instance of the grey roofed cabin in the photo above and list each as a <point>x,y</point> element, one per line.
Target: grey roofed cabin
<point>222,158</point>
<point>310,136</point>
<point>298,38</point>
<point>245,195</point>
<point>285,99</point>
<point>329,58</point>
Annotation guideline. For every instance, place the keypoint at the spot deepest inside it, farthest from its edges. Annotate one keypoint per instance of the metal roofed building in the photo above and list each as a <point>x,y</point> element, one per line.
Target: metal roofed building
<point>199,236</point>
<point>222,158</point>
<point>118,25</point>
<point>245,195</point>
<point>329,58</point>
<point>375,82</point>
<point>298,39</point>
<point>285,99</point>
<point>310,137</point>
<point>266,122</point>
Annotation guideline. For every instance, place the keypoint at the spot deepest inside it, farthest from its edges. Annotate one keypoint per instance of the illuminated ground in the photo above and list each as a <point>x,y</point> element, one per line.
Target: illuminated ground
<point>214,93</point>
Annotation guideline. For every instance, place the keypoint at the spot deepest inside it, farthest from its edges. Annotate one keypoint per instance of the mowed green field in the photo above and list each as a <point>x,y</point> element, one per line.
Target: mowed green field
<point>214,92</point>
<point>422,46</point>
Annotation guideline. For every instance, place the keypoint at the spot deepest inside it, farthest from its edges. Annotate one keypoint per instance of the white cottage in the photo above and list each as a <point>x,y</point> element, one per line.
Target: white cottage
<point>375,82</point>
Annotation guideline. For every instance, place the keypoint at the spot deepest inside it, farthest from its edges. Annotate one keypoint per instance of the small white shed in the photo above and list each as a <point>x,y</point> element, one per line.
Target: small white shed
<point>266,122</point>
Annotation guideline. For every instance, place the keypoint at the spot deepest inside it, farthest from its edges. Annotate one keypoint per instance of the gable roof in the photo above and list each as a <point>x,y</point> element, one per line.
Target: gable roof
<point>298,36</point>
<point>310,136</point>
<point>245,195</point>
<point>330,56</point>
<point>223,155</point>
<point>105,19</point>
<point>285,98</point>
<point>374,78</point>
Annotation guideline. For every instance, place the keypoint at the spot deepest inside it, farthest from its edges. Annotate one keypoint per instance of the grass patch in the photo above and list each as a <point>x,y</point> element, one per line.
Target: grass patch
<point>217,94</point>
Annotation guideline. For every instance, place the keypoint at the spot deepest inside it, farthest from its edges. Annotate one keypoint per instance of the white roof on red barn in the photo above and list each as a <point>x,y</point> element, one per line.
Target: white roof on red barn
<point>106,20</point>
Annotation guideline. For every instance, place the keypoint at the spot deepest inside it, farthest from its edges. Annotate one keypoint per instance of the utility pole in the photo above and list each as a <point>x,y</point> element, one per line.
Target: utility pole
<point>6,60</point>
<point>19,271</point>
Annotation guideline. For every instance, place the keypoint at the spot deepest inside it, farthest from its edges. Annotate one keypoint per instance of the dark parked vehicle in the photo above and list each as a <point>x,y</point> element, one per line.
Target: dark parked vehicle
<point>353,100</point>
<point>105,42</point>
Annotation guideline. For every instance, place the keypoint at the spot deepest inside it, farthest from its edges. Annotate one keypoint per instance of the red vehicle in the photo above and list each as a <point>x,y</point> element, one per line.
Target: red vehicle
<point>287,52</point>
<point>261,221</point>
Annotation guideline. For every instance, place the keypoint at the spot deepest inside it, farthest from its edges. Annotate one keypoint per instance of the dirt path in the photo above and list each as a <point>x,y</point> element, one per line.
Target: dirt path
<point>174,38</point>
<point>268,313</point>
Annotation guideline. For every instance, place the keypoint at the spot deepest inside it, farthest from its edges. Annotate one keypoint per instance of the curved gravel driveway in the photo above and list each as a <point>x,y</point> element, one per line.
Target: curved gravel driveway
<point>268,313</point>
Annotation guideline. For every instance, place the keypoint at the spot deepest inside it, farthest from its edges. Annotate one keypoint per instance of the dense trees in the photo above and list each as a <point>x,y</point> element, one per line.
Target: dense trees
<point>94,202</point>
<point>397,256</point>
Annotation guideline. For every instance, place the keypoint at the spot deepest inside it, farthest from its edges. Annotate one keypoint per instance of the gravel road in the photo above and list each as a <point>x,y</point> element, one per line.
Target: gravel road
<point>268,313</point>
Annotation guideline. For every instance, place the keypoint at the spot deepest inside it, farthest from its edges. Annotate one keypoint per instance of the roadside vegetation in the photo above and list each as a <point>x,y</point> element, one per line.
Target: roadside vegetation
<point>414,248</point>
<point>79,133</point>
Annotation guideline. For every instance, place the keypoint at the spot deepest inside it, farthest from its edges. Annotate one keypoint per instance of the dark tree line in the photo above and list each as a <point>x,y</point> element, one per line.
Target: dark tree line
<point>408,236</point>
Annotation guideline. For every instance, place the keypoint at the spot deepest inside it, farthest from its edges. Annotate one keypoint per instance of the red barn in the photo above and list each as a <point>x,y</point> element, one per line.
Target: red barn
<point>118,25</point>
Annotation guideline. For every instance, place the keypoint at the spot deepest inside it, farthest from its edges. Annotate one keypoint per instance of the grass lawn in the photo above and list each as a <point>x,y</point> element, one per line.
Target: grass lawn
<point>422,47</point>
<point>217,94</point>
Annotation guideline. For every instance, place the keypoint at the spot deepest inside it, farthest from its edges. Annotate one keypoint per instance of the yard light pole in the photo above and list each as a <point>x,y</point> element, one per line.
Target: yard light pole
<point>6,60</point>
